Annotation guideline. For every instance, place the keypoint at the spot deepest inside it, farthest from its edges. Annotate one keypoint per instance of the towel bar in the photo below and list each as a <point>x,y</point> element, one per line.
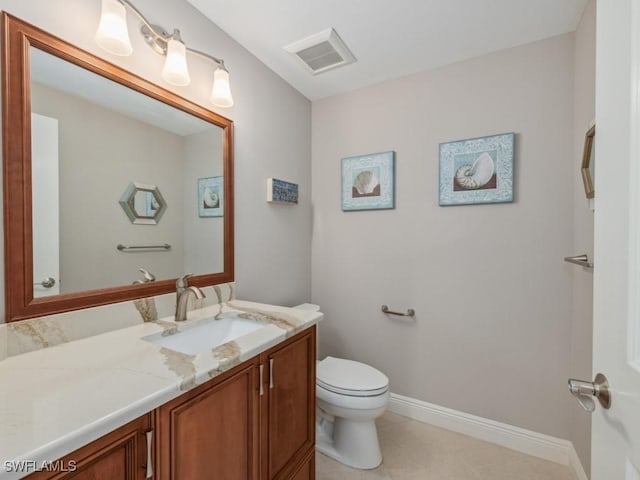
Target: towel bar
<point>129,248</point>
<point>410,312</point>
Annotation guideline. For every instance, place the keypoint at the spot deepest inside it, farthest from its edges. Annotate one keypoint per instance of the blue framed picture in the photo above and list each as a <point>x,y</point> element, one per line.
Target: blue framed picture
<point>368,182</point>
<point>210,197</point>
<point>279,191</point>
<point>477,170</point>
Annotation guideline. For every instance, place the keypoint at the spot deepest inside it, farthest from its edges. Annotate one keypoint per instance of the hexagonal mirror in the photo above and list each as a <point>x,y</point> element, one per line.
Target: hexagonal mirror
<point>143,204</point>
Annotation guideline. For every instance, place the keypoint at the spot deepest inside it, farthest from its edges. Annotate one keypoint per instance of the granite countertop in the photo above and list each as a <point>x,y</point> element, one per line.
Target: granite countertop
<point>55,400</point>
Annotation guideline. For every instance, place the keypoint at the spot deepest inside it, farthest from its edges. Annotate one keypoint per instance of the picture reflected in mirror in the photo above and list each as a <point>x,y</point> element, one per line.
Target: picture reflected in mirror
<point>143,204</point>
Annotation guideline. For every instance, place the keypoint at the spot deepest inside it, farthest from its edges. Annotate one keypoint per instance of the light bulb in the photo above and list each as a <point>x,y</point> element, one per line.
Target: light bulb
<point>112,34</point>
<point>221,91</point>
<point>175,69</point>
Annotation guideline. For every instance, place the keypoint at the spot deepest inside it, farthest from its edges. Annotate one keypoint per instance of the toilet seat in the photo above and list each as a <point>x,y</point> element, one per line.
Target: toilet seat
<point>346,377</point>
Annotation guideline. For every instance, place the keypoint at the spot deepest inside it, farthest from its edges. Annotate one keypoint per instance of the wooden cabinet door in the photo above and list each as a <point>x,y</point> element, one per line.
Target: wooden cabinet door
<point>119,455</point>
<point>289,423</point>
<point>308,469</point>
<point>211,432</point>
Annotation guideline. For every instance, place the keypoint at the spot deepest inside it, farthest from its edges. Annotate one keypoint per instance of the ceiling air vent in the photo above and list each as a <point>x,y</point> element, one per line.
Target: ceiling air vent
<point>321,52</point>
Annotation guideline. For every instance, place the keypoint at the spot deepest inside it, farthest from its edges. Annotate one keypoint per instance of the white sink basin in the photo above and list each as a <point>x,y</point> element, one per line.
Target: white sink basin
<point>205,334</point>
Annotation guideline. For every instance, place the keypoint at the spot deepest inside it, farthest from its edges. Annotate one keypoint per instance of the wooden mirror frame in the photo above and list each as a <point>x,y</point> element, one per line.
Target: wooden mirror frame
<point>589,189</point>
<point>17,37</point>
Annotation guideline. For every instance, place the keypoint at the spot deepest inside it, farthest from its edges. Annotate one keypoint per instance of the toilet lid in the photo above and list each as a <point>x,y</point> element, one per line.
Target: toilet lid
<point>350,378</point>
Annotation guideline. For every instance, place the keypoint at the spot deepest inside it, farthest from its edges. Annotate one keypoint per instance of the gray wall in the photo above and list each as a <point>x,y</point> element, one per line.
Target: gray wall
<point>202,158</point>
<point>98,159</point>
<point>272,126</point>
<point>492,294</point>
<point>582,320</point>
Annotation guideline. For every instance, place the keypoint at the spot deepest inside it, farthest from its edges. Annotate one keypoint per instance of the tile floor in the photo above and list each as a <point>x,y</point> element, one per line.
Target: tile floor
<point>416,451</point>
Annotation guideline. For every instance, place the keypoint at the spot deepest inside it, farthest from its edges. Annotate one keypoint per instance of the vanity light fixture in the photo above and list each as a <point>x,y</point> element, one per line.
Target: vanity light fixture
<point>113,36</point>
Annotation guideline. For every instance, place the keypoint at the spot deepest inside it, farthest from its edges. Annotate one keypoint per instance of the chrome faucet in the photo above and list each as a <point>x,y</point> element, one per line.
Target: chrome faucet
<point>183,291</point>
<point>148,277</point>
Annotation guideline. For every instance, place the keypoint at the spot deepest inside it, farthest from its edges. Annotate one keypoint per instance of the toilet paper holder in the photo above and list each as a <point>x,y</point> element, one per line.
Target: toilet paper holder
<point>410,312</point>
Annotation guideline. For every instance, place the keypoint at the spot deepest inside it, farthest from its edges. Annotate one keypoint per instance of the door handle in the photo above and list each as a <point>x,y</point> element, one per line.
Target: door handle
<point>149,469</point>
<point>48,282</point>
<point>261,369</point>
<point>585,391</point>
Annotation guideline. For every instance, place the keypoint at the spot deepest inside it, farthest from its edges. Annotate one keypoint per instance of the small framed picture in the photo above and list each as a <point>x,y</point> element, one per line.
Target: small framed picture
<point>210,197</point>
<point>368,182</point>
<point>477,170</point>
<point>279,191</point>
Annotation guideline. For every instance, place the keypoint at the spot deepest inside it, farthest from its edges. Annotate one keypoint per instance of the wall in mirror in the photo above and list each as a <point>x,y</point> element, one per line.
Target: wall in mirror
<point>99,136</point>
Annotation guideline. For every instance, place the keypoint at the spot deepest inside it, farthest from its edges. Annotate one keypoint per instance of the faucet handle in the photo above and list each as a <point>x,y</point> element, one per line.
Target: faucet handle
<point>183,282</point>
<point>148,276</point>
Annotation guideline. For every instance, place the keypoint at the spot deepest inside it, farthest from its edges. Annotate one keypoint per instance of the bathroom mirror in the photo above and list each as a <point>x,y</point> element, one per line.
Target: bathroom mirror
<point>588,167</point>
<point>78,132</point>
<point>143,204</point>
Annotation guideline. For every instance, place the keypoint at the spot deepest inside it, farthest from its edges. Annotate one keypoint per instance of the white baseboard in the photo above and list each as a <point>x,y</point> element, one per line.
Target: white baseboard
<point>576,465</point>
<point>526,441</point>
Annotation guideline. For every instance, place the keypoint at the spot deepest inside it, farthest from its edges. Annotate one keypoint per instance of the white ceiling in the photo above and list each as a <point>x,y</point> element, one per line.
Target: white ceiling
<point>390,38</point>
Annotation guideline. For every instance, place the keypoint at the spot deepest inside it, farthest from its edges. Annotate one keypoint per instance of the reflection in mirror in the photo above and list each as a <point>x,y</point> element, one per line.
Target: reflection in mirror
<point>90,136</point>
<point>143,204</point>
<point>588,167</point>
<point>77,130</point>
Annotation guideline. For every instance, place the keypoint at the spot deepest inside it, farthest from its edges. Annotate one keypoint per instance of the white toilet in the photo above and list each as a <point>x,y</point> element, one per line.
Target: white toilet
<point>349,397</point>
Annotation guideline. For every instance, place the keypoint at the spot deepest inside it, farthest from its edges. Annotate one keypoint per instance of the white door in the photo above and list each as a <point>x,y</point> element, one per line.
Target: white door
<point>616,332</point>
<point>44,180</point>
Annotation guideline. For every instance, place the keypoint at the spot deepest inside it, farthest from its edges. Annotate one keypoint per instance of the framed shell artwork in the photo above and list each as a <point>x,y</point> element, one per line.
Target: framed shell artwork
<point>477,170</point>
<point>368,182</point>
<point>210,197</point>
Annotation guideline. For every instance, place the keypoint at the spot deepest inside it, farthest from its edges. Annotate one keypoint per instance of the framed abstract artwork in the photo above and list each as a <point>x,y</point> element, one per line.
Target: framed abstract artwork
<point>477,170</point>
<point>368,182</point>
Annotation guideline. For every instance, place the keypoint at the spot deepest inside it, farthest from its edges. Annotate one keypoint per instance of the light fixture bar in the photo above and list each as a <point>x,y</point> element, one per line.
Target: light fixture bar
<point>175,70</point>
<point>219,61</point>
<point>142,18</point>
<point>160,34</point>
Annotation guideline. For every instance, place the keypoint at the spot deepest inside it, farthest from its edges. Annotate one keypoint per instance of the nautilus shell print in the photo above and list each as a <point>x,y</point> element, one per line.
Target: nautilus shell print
<point>210,198</point>
<point>476,175</point>
<point>365,182</point>
<point>477,170</point>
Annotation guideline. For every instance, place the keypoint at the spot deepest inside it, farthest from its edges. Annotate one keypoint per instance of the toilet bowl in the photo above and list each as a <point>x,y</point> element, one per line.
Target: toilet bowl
<point>349,397</point>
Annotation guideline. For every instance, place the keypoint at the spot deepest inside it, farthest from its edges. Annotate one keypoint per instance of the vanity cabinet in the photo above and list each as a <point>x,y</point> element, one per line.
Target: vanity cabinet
<point>119,455</point>
<point>288,422</point>
<point>254,422</point>
<point>307,470</point>
<point>212,431</point>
